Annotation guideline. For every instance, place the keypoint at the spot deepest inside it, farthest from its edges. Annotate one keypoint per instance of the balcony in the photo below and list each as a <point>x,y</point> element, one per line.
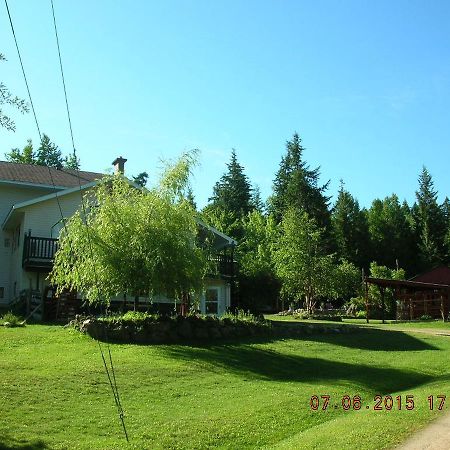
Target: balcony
<point>225,264</point>
<point>38,253</point>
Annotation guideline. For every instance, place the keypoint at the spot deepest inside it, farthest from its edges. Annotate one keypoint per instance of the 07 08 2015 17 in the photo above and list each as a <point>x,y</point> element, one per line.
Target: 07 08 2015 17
<point>377,403</point>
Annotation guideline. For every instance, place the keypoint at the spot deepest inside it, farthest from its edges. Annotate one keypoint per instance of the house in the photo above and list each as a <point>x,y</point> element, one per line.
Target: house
<point>33,200</point>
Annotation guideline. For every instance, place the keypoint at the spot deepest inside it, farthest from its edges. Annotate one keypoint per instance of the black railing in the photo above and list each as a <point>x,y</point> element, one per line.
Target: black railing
<point>225,264</point>
<point>39,252</point>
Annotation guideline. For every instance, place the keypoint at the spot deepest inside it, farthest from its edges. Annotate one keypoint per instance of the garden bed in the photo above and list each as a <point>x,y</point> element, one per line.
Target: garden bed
<point>143,328</point>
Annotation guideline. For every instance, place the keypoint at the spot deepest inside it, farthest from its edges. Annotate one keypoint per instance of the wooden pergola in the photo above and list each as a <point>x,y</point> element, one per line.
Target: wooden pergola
<point>415,298</point>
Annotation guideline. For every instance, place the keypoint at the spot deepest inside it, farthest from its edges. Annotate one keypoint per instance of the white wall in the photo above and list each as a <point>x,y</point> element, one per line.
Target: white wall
<point>9,196</point>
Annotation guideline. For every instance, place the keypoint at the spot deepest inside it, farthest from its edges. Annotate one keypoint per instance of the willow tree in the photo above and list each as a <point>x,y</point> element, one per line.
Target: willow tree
<point>135,241</point>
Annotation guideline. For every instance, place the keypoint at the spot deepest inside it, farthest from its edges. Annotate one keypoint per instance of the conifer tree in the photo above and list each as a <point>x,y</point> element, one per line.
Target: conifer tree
<point>297,186</point>
<point>232,198</point>
<point>430,223</point>
<point>350,230</point>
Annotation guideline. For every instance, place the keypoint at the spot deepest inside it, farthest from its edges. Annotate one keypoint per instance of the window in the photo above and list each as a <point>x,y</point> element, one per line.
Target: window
<point>7,242</point>
<point>2,292</point>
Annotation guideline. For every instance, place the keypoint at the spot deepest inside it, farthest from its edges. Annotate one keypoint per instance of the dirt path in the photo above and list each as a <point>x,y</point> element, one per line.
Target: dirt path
<point>435,436</point>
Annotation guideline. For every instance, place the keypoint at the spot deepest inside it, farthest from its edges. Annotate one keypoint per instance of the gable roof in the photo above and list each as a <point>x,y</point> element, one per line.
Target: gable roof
<point>42,175</point>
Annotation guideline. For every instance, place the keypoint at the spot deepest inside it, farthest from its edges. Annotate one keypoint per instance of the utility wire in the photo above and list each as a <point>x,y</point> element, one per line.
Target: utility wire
<point>110,372</point>
<point>35,116</point>
<point>63,81</point>
<point>23,70</point>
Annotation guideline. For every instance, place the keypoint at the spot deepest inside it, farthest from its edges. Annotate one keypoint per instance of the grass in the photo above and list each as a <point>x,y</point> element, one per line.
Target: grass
<point>249,394</point>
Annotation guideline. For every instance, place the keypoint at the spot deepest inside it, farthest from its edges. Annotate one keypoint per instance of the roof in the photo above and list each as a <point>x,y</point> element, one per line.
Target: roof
<point>43,175</point>
<point>439,275</point>
<point>15,208</point>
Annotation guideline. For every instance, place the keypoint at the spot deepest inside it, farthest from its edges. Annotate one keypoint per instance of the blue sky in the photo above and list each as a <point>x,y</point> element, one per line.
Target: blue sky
<point>366,85</point>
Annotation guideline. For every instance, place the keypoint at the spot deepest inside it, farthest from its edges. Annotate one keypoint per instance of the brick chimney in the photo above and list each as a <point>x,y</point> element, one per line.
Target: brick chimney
<point>119,165</point>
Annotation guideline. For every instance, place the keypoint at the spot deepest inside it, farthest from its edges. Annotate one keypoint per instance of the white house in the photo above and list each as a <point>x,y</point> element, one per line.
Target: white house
<point>32,201</point>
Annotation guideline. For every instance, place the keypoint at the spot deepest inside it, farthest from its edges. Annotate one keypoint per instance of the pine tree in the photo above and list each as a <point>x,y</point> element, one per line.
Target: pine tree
<point>297,186</point>
<point>430,222</point>
<point>141,179</point>
<point>350,230</point>
<point>232,197</point>
<point>48,154</point>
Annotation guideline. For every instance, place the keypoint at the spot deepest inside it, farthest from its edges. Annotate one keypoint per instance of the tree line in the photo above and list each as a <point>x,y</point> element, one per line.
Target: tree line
<point>299,246</point>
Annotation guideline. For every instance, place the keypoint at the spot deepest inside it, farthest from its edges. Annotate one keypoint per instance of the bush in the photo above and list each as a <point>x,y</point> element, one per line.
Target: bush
<point>360,314</point>
<point>11,320</point>
<point>426,317</point>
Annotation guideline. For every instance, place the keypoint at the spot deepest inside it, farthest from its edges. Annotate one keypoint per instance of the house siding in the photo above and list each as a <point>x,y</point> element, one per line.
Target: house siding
<point>10,195</point>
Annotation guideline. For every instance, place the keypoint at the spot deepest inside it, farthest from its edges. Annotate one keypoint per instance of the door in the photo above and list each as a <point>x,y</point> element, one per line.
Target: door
<point>213,303</point>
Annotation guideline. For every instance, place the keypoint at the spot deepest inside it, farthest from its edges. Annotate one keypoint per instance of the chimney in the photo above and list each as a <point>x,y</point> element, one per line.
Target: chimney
<point>119,165</point>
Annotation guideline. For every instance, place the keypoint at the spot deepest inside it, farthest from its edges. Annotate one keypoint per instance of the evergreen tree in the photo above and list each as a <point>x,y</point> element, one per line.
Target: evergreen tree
<point>141,179</point>
<point>256,201</point>
<point>297,186</point>
<point>350,230</point>
<point>430,222</point>
<point>391,237</point>
<point>232,198</point>
<point>48,154</point>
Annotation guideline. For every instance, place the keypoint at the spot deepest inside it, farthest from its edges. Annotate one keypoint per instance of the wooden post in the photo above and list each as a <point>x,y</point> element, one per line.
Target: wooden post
<point>382,291</point>
<point>442,308</point>
<point>366,293</point>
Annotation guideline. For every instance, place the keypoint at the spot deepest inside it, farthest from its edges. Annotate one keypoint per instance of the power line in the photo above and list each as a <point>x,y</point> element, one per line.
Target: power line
<point>109,371</point>
<point>23,70</point>
<point>63,81</point>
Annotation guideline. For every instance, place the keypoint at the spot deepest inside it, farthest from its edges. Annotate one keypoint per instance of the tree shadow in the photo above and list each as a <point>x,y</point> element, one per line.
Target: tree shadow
<point>363,338</point>
<point>256,363</point>
<point>7,442</point>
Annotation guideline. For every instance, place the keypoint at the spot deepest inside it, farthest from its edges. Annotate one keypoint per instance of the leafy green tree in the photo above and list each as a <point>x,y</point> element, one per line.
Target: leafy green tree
<point>305,270</point>
<point>71,162</point>
<point>297,186</point>
<point>6,98</point>
<point>25,156</point>
<point>141,179</point>
<point>430,222</point>
<point>258,285</point>
<point>387,305</point>
<point>133,241</point>
<point>350,229</point>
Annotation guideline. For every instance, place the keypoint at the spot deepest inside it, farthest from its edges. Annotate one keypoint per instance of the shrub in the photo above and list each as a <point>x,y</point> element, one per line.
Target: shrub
<point>360,314</point>
<point>426,317</point>
<point>11,320</point>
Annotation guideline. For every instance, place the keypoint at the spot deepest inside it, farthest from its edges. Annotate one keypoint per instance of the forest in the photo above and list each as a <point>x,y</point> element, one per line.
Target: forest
<point>300,247</point>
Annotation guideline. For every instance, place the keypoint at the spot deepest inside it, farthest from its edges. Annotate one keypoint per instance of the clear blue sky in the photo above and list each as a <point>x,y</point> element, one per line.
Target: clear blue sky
<point>366,85</point>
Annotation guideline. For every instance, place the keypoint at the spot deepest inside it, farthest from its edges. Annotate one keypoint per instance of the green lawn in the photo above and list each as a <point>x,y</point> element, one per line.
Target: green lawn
<point>54,392</point>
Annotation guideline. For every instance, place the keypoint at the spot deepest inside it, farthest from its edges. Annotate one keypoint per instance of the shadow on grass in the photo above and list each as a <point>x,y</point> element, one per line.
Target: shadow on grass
<point>364,338</point>
<point>8,442</point>
<point>248,361</point>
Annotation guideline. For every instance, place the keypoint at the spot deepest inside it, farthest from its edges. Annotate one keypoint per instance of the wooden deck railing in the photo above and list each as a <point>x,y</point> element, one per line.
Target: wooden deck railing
<point>39,252</point>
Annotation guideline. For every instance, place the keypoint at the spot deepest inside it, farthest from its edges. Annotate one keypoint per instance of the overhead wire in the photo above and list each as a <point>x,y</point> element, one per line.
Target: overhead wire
<point>111,376</point>
<point>110,372</point>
